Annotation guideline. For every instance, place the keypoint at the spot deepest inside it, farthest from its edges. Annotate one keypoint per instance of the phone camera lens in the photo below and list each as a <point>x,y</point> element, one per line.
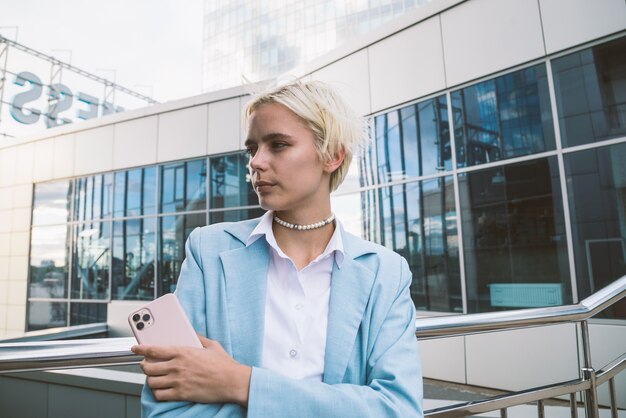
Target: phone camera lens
<point>136,317</point>
<point>146,317</point>
<point>140,325</point>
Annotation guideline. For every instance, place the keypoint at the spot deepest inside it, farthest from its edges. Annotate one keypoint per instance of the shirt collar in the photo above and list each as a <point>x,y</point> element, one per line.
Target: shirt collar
<point>264,228</point>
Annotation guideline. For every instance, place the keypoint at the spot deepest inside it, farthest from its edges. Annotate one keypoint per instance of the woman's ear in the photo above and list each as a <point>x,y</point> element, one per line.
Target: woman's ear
<point>335,162</point>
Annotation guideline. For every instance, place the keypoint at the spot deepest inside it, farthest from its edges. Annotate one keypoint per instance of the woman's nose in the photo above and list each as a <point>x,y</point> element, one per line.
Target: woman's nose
<point>257,160</point>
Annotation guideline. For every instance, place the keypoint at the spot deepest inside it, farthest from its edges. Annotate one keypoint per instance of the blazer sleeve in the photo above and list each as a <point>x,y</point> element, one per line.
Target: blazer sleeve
<point>191,296</point>
<point>394,377</point>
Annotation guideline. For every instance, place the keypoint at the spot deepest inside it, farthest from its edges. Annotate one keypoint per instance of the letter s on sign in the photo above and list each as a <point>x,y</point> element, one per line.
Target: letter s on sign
<point>20,99</point>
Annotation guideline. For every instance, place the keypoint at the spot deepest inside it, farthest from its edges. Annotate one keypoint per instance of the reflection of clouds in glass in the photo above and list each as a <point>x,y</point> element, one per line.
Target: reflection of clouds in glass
<point>49,244</point>
<point>347,208</point>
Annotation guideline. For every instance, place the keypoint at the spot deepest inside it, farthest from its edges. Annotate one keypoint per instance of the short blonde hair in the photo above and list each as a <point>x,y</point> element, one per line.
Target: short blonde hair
<point>333,123</point>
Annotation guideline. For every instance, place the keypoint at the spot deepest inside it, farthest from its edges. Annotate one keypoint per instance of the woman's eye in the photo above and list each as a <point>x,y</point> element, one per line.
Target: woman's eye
<point>278,145</point>
<point>250,151</point>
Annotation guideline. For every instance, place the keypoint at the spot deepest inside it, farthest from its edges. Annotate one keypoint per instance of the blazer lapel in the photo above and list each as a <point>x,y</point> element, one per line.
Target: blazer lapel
<point>245,275</point>
<point>349,294</point>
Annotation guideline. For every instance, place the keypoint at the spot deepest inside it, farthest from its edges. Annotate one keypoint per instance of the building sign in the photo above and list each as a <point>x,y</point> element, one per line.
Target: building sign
<point>38,91</point>
<point>61,102</point>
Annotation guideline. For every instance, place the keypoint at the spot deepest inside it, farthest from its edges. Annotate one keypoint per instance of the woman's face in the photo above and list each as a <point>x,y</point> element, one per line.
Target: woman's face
<point>286,171</point>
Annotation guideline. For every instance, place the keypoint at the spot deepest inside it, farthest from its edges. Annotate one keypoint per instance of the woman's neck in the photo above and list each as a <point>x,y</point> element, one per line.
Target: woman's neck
<point>303,246</point>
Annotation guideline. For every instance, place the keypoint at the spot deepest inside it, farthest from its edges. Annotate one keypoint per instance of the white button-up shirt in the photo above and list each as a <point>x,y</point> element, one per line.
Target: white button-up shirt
<point>296,306</point>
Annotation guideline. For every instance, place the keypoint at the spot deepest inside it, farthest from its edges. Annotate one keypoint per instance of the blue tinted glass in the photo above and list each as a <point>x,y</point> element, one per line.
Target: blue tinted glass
<point>173,232</point>
<point>230,186</point>
<point>514,237</point>
<point>91,261</point>
<point>589,93</point>
<point>51,203</point>
<point>413,141</point>
<point>93,197</point>
<point>134,250</point>
<point>87,313</point>
<point>183,186</point>
<point>357,213</point>
<point>505,117</point>
<point>135,192</point>
<point>596,182</point>
<point>419,222</point>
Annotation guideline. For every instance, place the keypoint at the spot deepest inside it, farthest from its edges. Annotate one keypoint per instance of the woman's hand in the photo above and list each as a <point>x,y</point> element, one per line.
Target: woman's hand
<point>202,375</point>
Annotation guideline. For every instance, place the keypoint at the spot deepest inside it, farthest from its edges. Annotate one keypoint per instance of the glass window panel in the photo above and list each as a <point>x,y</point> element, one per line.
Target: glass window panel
<point>357,213</point>
<point>87,313</point>
<point>590,94</point>
<point>134,249</point>
<point>52,202</point>
<point>92,199</point>
<point>49,261</point>
<point>135,192</point>
<point>183,186</point>
<point>416,144</point>
<point>235,215</point>
<point>596,182</point>
<point>173,233</point>
<point>514,237</point>
<point>230,186</point>
<point>91,261</point>
<point>418,221</point>
<point>505,117</point>
<point>46,314</point>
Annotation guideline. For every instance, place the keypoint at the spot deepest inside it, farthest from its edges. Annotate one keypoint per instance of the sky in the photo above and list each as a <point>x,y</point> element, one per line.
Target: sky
<point>153,46</point>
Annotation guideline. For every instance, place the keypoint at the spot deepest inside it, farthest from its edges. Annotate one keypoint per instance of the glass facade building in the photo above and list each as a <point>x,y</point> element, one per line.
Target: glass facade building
<point>509,192</point>
<point>258,39</point>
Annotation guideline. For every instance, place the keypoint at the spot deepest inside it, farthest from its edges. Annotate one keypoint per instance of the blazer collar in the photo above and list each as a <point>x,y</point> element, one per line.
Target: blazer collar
<point>245,272</point>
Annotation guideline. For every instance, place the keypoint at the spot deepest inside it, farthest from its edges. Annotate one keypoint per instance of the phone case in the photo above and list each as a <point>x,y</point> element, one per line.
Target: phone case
<point>163,322</point>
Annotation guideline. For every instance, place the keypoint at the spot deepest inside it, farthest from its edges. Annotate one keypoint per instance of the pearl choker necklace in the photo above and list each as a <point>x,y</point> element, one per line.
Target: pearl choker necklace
<point>316,225</point>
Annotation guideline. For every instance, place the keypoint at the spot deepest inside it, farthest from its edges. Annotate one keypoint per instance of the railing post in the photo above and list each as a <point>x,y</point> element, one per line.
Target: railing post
<point>588,373</point>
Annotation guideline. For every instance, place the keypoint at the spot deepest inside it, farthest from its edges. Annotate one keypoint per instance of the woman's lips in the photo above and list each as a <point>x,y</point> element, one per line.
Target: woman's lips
<point>263,186</point>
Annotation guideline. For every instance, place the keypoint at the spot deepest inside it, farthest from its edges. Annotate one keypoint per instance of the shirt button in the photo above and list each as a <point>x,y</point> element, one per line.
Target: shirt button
<point>299,306</point>
<point>293,353</point>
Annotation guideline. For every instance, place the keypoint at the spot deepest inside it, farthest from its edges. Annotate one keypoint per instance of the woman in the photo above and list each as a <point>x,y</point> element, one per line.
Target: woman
<point>301,318</point>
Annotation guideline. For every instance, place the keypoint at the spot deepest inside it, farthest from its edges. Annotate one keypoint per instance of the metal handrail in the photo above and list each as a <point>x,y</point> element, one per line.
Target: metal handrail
<point>449,326</point>
<point>16,357</point>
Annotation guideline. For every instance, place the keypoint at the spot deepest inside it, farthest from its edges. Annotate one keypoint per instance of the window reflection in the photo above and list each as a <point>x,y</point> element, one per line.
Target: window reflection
<point>49,261</point>
<point>173,233</point>
<point>135,192</point>
<point>134,250</point>
<point>93,197</point>
<point>597,200</point>
<point>514,237</point>
<point>357,213</point>
<point>413,141</point>
<point>46,314</point>
<point>87,313</point>
<point>91,261</point>
<point>418,220</point>
<point>589,93</point>
<point>234,215</point>
<point>52,202</point>
<point>229,182</point>
<point>183,186</point>
<point>505,117</point>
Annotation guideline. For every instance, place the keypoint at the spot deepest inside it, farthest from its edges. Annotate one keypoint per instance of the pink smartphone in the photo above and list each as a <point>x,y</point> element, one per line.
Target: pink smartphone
<point>163,322</point>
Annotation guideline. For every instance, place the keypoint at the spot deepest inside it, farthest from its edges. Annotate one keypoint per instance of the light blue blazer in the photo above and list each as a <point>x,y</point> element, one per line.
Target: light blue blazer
<point>372,364</point>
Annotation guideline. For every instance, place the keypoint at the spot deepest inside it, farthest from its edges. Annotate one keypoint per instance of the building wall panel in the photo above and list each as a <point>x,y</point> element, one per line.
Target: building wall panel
<point>182,134</point>
<point>94,151</point>
<point>484,36</point>
<point>567,23</point>
<point>135,143</point>
<point>406,65</point>
<point>521,359</point>
<point>8,165</point>
<point>350,77</point>
<point>608,342</point>
<point>224,126</point>
<point>44,150</point>
<point>63,158</point>
<point>444,359</point>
